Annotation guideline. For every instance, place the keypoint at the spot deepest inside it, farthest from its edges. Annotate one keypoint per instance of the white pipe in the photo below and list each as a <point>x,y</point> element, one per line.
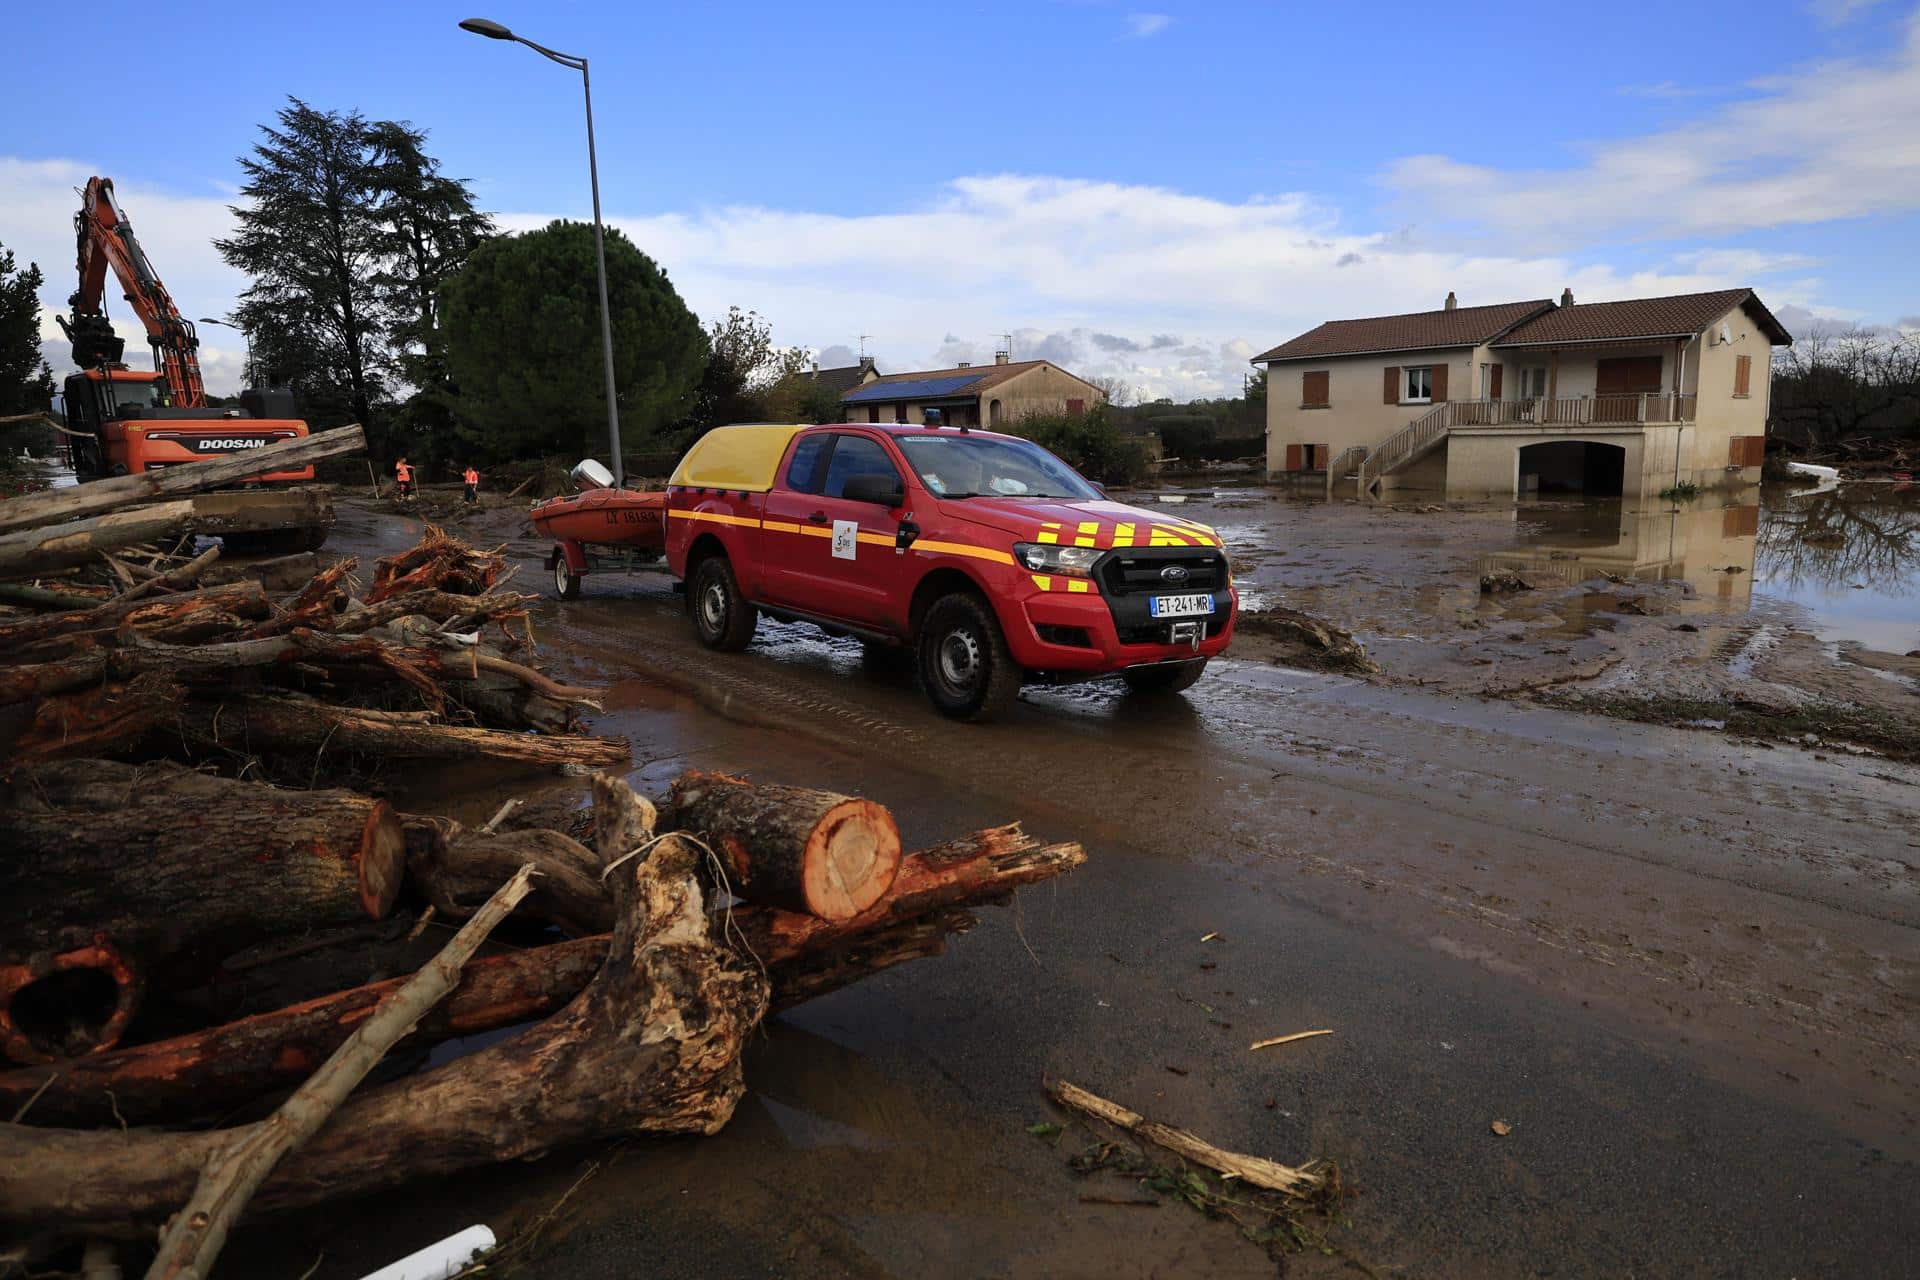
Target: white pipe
<point>440,1260</point>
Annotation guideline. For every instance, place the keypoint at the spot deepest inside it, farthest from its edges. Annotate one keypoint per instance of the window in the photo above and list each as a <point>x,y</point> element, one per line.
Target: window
<point>1418,385</point>
<point>856,456</point>
<point>1742,377</point>
<point>957,466</point>
<point>1533,383</point>
<point>899,414</point>
<point>1315,389</point>
<point>873,413</point>
<point>803,473</point>
<point>993,413</point>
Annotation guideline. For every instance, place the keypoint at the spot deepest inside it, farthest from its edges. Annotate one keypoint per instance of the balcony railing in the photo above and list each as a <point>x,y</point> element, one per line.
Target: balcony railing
<point>1578,411</point>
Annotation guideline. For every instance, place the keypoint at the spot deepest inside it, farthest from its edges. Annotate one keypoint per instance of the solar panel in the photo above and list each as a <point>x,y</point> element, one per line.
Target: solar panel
<point>923,389</point>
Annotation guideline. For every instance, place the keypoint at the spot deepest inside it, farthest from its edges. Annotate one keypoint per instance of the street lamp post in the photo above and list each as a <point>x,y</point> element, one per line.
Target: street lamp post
<point>247,375</point>
<point>494,31</point>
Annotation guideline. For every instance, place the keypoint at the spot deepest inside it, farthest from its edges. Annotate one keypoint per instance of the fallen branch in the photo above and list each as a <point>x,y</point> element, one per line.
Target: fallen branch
<point>1298,1035</point>
<point>1302,1183</point>
<point>195,1236</point>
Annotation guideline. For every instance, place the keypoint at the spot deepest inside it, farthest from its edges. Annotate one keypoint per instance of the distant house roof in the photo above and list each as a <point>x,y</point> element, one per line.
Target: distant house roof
<point>1418,331</point>
<point>839,381</point>
<point>930,384</point>
<point>1678,316</point>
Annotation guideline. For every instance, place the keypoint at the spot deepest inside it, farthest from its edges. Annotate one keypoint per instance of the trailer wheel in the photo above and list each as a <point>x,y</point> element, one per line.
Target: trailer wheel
<point>566,583</point>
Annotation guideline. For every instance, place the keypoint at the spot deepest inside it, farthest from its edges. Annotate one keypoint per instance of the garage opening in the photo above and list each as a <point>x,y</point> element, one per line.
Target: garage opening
<point>1573,466</point>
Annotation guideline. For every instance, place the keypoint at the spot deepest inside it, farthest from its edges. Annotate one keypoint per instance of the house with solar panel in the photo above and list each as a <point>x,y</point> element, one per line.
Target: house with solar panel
<point>1607,398</point>
<point>973,395</point>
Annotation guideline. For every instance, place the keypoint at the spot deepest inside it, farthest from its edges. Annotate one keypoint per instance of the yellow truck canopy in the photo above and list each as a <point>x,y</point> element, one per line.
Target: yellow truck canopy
<point>744,457</point>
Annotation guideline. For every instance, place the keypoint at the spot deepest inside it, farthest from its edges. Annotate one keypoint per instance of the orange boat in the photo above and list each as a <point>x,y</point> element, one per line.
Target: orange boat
<point>596,526</point>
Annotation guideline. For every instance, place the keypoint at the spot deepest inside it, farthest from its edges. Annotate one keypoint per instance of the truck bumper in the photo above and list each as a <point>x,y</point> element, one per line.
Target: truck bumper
<point>1056,631</point>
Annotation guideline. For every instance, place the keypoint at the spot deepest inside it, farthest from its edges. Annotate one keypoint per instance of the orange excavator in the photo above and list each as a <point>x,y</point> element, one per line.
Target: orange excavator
<point>122,421</point>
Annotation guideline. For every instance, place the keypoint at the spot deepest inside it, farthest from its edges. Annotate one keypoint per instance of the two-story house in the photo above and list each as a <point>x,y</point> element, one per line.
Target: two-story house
<point>1520,397</point>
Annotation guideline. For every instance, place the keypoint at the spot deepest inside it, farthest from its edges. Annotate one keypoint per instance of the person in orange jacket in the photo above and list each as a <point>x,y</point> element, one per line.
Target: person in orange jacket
<point>403,478</point>
<point>472,479</point>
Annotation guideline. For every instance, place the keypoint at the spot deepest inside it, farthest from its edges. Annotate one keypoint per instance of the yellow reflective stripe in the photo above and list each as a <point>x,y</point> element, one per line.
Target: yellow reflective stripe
<point>779,526</point>
<point>1123,535</point>
<point>1048,533</point>
<point>714,517</point>
<point>1078,584</point>
<point>964,549</point>
<point>1165,537</point>
<point>1043,582</point>
<point>1089,530</point>
<point>876,539</point>
<point>815,530</point>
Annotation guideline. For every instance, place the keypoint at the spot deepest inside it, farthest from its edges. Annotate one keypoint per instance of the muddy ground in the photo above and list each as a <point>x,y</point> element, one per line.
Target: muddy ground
<point>1681,965</point>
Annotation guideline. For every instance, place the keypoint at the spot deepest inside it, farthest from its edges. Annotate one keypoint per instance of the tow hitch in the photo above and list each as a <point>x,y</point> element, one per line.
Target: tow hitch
<point>1187,633</point>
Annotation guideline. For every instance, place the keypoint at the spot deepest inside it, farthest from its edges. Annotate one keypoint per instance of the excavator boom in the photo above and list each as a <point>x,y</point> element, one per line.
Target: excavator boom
<point>105,240</point>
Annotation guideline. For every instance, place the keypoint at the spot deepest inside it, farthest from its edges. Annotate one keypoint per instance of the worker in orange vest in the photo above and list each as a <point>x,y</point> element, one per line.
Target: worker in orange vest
<point>403,478</point>
<point>472,478</point>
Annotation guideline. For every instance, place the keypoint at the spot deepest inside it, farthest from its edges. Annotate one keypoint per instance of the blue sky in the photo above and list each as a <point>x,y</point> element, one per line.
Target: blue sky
<point>1093,177</point>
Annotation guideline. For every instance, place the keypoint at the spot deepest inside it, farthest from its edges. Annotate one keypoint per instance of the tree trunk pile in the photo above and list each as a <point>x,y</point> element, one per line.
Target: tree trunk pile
<point>200,909</point>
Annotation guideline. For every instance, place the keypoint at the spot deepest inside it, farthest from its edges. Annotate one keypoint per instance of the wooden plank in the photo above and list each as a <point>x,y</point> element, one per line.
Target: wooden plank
<point>99,496</point>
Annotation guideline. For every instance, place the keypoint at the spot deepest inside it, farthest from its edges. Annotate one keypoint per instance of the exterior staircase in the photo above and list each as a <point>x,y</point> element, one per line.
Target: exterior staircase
<point>1403,448</point>
<point>1346,466</point>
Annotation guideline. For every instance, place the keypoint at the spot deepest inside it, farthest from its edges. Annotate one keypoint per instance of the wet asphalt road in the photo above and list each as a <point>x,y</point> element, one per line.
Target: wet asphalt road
<point>1683,969</point>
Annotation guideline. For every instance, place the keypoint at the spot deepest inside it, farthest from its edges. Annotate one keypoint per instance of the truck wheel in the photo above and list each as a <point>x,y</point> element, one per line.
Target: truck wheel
<point>964,663</point>
<point>722,617</point>
<point>1171,678</point>
<point>566,583</point>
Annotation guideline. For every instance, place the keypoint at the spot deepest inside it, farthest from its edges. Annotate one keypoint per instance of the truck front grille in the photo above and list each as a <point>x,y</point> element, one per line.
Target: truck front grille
<point>1141,571</point>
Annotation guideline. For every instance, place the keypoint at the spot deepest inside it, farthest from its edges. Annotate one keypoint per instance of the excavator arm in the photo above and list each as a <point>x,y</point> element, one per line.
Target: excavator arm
<point>105,240</point>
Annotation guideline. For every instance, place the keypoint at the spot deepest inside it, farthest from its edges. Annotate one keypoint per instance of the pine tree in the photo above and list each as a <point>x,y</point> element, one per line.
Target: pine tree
<point>26,383</point>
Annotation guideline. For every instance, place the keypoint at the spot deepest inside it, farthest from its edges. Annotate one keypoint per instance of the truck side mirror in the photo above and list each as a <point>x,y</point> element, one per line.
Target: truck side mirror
<point>881,489</point>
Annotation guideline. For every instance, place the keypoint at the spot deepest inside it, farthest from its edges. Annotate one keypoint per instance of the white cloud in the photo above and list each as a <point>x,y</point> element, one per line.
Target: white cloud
<point>1169,291</point>
<point>1143,26</point>
<point>1836,13</point>
<point>38,199</point>
<point>1831,140</point>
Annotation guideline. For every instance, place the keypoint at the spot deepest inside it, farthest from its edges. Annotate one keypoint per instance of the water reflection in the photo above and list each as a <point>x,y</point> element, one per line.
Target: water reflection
<point>1849,557</point>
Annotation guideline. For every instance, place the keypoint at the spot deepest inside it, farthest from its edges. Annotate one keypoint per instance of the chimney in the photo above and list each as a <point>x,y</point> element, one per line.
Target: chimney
<point>816,366</point>
<point>965,365</point>
<point>1000,357</point>
<point>1452,301</point>
<point>866,363</point>
<point>1566,297</point>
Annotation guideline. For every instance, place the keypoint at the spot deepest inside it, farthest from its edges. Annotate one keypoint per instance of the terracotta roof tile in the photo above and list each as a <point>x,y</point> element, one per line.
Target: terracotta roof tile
<point>839,381</point>
<point>1679,315</point>
<point>1420,331</point>
<point>982,375</point>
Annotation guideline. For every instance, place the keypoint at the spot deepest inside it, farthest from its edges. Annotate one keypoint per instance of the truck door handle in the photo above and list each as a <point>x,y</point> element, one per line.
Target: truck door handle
<point>818,517</point>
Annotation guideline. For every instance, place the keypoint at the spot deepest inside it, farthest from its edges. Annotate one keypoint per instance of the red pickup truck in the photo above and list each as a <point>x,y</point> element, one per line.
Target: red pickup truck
<point>992,559</point>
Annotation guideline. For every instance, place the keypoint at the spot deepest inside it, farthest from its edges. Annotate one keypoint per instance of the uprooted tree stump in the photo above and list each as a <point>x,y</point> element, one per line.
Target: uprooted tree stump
<point>167,870</point>
<point>813,852</point>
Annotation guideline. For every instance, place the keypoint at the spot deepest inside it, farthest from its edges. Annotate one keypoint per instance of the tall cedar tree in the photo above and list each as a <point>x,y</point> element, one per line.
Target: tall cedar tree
<point>522,323</point>
<point>350,231</point>
<point>26,384</point>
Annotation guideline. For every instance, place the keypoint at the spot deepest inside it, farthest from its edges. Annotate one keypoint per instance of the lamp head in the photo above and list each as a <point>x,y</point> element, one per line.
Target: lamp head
<point>484,27</point>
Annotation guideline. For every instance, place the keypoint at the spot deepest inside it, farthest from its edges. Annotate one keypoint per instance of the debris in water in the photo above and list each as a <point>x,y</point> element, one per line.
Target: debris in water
<point>1298,1035</point>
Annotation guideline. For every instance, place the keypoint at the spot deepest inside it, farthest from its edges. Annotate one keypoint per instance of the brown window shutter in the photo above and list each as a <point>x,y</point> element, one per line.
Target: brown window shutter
<point>1314,388</point>
<point>1293,457</point>
<point>1393,384</point>
<point>1747,451</point>
<point>1742,375</point>
<point>1494,380</point>
<point>1439,383</point>
<point>1076,407</point>
<point>1740,522</point>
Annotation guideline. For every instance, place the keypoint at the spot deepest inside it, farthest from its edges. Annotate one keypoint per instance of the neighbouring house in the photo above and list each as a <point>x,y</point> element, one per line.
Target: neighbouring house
<point>1521,397</point>
<point>845,378</point>
<point>987,395</point>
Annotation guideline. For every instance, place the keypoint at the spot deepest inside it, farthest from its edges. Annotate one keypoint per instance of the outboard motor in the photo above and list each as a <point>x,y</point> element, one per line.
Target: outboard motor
<point>588,474</point>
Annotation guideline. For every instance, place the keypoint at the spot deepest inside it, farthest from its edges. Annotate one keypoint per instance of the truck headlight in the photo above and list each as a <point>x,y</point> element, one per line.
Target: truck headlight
<point>1047,557</point>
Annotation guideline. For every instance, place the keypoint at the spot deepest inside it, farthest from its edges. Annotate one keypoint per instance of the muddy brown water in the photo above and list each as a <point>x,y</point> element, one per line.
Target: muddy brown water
<point>1681,967</point>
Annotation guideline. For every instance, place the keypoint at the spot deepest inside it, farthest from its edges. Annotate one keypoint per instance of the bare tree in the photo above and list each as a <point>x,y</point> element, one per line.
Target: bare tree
<point>1832,384</point>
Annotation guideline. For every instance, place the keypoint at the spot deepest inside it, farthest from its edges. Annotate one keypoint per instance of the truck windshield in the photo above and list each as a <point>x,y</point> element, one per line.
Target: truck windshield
<point>963,466</point>
<point>142,394</point>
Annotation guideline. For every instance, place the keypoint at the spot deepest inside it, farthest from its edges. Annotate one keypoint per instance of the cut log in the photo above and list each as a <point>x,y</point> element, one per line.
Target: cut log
<point>282,573</point>
<point>268,723</point>
<point>175,869</point>
<point>29,552</point>
<point>33,510</point>
<point>175,1079</point>
<point>651,1046</point>
<point>441,606</point>
<point>813,852</point>
<point>177,579</point>
<point>439,561</point>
